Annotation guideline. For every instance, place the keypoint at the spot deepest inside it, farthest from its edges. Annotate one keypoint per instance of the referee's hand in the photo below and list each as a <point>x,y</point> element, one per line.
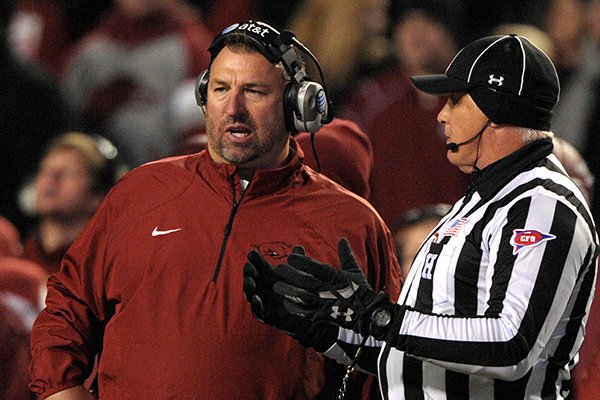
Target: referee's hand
<point>319,292</point>
<point>267,305</point>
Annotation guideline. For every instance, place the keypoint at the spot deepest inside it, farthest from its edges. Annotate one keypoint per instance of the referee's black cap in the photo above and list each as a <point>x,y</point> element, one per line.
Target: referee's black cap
<point>510,79</point>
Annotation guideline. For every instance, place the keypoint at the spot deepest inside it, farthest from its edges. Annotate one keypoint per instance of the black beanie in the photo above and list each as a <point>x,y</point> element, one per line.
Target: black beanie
<point>510,79</point>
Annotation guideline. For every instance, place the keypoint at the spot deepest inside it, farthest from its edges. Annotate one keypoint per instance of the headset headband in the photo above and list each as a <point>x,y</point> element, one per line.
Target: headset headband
<point>262,35</point>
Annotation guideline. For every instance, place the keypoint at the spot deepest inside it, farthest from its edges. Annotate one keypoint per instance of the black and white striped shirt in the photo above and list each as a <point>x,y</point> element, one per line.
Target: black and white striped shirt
<point>496,301</point>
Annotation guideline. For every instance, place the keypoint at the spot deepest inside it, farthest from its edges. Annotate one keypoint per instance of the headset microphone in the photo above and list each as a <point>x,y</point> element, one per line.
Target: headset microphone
<point>453,147</point>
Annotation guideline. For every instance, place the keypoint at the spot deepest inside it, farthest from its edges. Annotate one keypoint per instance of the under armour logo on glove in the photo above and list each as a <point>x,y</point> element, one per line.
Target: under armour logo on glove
<point>336,314</point>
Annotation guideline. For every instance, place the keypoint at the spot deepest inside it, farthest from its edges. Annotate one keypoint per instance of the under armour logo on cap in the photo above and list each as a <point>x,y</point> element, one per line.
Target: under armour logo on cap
<point>510,79</point>
<point>497,80</point>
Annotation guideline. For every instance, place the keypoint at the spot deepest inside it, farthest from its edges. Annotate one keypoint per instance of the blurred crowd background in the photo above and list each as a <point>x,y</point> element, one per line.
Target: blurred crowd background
<point>93,88</point>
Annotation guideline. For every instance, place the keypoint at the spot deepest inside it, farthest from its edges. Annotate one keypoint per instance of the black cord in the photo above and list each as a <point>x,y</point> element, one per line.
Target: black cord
<point>478,145</point>
<point>314,150</point>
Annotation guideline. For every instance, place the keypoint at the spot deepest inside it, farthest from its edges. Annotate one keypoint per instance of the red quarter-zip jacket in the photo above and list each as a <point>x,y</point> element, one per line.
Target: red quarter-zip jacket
<point>154,283</point>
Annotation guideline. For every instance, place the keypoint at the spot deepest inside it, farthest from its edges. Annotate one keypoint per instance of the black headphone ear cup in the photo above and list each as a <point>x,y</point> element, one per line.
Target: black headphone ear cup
<point>112,168</point>
<point>108,175</point>
<point>305,106</point>
<point>201,91</point>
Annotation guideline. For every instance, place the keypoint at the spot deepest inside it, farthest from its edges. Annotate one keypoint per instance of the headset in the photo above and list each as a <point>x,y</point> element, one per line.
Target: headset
<point>112,168</point>
<point>306,103</point>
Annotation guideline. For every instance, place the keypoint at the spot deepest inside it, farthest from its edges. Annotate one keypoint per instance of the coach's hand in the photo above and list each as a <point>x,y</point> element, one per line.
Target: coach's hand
<point>267,306</point>
<point>314,290</point>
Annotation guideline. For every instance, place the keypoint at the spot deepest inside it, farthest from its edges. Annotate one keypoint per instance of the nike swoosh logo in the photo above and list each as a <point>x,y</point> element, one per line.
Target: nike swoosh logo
<point>156,232</point>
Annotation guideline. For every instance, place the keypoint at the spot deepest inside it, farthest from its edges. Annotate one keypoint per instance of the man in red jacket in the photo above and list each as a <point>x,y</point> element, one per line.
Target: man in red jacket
<point>154,286</point>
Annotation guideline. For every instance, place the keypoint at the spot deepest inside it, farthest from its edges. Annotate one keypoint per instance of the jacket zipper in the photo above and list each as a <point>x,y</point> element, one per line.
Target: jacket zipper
<point>227,231</point>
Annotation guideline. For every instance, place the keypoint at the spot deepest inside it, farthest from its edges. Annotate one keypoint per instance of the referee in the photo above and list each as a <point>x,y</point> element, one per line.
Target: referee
<point>497,298</point>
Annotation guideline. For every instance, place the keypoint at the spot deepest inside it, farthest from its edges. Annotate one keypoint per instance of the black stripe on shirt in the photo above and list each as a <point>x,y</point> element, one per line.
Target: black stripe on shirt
<point>457,385</point>
<point>511,390</point>
<point>562,354</point>
<point>524,187</point>
<point>413,378</point>
<point>516,217</point>
<point>466,277</point>
<point>550,274</point>
<point>424,301</point>
<point>382,375</point>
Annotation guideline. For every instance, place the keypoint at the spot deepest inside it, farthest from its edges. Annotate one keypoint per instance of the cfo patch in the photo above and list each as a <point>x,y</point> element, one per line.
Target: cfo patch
<point>522,238</point>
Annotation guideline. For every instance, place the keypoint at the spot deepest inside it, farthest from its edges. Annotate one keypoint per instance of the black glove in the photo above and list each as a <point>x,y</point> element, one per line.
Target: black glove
<point>267,306</point>
<point>317,291</point>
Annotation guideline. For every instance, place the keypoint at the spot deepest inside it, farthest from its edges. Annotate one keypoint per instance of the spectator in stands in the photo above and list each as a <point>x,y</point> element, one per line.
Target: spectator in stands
<point>414,227</point>
<point>360,45</point>
<point>73,177</point>
<point>123,73</point>
<point>564,22</point>
<point>10,239</point>
<point>22,294</point>
<point>33,112</point>
<point>23,284</point>
<point>410,168</point>
<point>14,354</point>
<point>43,32</point>
<point>587,373</point>
<point>592,141</point>
<point>575,166</point>
<point>574,27</point>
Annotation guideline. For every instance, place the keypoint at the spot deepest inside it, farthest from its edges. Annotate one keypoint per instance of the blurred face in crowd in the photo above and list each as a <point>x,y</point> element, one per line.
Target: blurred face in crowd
<point>375,17</point>
<point>422,44</point>
<point>64,187</point>
<point>141,8</point>
<point>462,119</point>
<point>409,240</point>
<point>565,22</point>
<point>244,111</point>
<point>575,166</point>
<point>593,20</point>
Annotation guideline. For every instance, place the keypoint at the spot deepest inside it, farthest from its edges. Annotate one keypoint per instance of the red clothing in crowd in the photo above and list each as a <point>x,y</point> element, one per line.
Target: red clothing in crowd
<point>43,33</point>
<point>344,152</point>
<point>155,282</point>
<point>14,354</point>
<point>410,167</point>
<point>22,291</point>
<point>586,375</point>
<point>34,251</point>
<point>24,279</point>
<point>10,239</point>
